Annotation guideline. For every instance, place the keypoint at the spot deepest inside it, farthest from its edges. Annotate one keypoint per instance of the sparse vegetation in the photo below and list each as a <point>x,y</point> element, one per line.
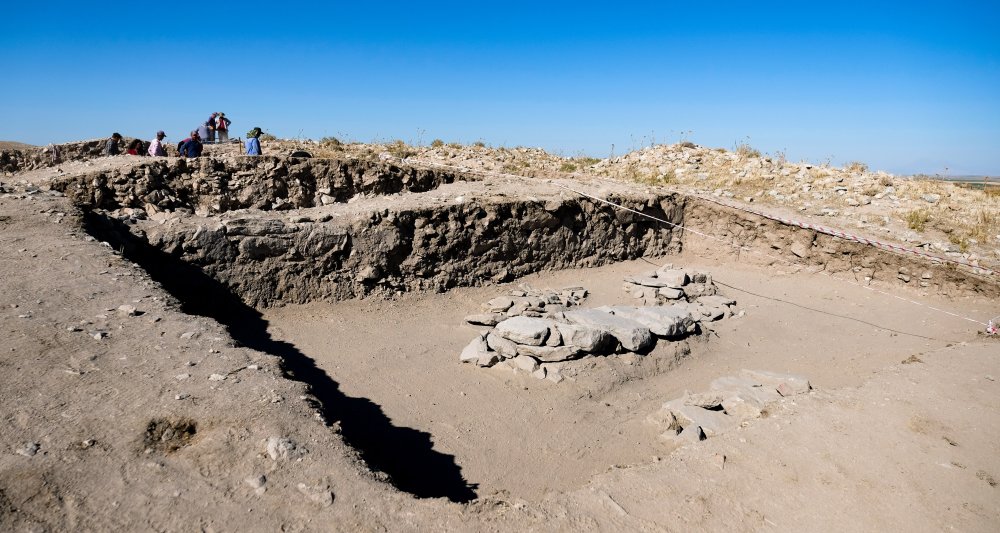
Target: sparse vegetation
<point>745,151</point>
<point>479,144</point>
<point>330,141</point>
<point>437,143</point>
<point>401,150</point>
<point>567,167</point>
<point>917,219</point>
<point>856,167</point>
<point>267,137</point>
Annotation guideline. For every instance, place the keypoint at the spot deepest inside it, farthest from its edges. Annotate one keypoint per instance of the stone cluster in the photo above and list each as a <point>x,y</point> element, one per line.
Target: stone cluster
<point>688,289</point>
<point>537,339</point>
<point>527,301</point>
<point>729,402</point>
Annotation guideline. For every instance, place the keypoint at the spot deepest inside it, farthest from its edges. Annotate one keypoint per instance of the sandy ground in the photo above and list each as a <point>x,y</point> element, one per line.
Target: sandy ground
<point>899,434</point>
<point>513,433</point>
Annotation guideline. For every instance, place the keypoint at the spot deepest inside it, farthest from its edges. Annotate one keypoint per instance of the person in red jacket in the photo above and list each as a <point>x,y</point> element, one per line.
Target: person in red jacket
<point>222,127</point>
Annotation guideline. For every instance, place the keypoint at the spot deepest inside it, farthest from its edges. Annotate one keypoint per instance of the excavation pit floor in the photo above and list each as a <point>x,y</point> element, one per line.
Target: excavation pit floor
<point>511,433</point>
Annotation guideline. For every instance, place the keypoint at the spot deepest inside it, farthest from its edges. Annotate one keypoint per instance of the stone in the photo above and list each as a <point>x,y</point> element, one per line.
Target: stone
<point>540,373</point>
<point>321,495</point>
<point>712,422</point>
<point>799,249</point>
<point>499,304</point>
<point>127,310</point>
<point>555,338</point>
<point>525,330</point>
<point>477,351</point>
<point>217,377</point>
<point>632,335</point>
<point>505,347</point>
<point>731,383</point>
<point>669,293</point>
<point>188,335</point>
<point>549,354</point>
<point>526,363</point>
<point>716,300</point>
<point>931,198</point>
<point>646,281</point>
<point>485,319</point>
<point>256,482</point>
<point>29,449</point>
<point>280,448</point>
<point>672,321</point>
<point>705,400</point>
<point>662,418</point>
<point>688,435</point>
<point>796,384</point>
<point>738,406</point>
<point>674,278</point>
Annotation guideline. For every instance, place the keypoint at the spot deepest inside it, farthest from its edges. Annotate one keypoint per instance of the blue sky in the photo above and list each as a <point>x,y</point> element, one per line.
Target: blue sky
<point>905,87</point>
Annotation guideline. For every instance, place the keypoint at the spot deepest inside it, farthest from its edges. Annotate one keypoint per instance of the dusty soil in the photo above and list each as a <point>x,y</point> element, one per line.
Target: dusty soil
<point>162,419</point>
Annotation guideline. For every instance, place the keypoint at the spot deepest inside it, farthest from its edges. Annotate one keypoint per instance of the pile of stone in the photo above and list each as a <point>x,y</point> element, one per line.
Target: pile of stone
<point>527,301</point>
<point>729,402</point>
<point>690,289</point>
<point>540,345</point>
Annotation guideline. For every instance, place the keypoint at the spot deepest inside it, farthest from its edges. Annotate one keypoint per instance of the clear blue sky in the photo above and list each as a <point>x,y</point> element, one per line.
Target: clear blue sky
<point>904,86</point>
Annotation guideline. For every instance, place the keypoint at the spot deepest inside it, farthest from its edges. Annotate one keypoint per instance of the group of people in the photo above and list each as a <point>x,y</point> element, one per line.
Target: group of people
<point>216,125</point>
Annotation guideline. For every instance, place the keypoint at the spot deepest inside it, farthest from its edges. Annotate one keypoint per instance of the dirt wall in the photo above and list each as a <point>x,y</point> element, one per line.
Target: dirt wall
<point>768,242</point>
<point>216,185</point>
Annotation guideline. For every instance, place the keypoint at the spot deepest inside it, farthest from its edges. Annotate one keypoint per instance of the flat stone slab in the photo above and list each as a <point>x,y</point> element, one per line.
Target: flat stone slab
<point>646,281</point>
<point>672,278</point>
<point>793,383</point>
<point>586,338</point>
<point>662,321</point>
<point>548,354</point>
<point>716,300</point>
<point>486,319</point>
<point>505,347</point>
<point>525,330</point>
<point>711,422</point>
<point>477,352</point>
<point>632,335</point>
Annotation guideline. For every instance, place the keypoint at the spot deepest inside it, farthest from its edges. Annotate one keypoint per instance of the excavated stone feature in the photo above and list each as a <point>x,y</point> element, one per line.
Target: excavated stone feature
<point>729,402</point>
<point>673,321</point>
<point>632,335</point>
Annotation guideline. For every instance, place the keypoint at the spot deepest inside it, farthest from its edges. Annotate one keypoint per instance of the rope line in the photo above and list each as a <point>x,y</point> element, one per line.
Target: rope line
<point>991,328</point>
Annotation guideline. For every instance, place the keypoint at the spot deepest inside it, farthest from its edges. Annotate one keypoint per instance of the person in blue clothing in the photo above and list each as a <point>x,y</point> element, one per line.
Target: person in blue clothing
<point>253,141</point>
<point>191,147</point>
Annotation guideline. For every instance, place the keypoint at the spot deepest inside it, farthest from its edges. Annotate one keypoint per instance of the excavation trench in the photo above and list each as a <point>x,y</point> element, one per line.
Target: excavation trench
<point>279,251</point>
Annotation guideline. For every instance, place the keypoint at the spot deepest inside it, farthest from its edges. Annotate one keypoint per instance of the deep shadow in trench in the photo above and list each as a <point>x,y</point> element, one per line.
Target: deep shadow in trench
<point>405,454</point>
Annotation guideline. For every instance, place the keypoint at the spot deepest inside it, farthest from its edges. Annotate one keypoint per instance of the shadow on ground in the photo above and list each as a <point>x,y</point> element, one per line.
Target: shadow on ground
<point>405,454</point>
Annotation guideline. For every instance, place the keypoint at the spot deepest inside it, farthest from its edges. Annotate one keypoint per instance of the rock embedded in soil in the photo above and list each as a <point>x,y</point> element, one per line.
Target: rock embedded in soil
<point>525,330</point>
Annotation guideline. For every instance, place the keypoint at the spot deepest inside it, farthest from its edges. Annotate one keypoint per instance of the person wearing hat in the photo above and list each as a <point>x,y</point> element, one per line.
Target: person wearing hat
<point>191,147</point>
<point>156,145</point>
<point>112,147</point>
<point>253,141</point>
<point>222,127</point>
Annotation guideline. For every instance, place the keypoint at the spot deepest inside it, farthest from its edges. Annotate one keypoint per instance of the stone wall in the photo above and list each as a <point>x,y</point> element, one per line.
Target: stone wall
<point>269,261</point>
<point>216,185</point>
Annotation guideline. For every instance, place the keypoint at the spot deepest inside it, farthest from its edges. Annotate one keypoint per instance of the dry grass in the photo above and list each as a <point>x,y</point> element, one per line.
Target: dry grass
<point>917,219</point>
<point>857,167</point>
